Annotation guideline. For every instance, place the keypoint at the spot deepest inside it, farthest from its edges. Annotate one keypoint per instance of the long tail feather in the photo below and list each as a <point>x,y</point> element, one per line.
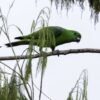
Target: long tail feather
<point>17,43</point>
<point>20,37</point>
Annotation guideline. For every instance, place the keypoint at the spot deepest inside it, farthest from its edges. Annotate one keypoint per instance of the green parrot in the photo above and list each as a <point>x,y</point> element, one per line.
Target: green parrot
<point>59,36</point>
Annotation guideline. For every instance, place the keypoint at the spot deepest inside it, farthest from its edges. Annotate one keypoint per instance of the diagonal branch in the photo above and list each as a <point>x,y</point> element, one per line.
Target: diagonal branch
<point>54,53</point>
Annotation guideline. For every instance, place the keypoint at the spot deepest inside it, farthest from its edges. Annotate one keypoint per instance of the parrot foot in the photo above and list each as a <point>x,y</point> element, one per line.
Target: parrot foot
<point>57,51</point>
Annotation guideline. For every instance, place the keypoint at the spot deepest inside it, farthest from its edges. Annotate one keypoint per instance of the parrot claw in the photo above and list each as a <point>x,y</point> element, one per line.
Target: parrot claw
<point>58,52</point>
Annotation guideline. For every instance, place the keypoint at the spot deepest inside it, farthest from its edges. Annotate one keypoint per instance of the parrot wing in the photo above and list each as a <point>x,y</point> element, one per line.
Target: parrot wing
<point>57,31</point>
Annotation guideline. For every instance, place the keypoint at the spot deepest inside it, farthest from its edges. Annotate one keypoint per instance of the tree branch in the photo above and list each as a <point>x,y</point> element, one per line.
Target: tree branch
<point>54,53</point>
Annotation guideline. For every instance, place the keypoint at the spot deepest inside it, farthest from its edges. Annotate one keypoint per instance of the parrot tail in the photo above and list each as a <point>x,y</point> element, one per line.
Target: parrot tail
<point>17,43</point>
<point>20,37</point>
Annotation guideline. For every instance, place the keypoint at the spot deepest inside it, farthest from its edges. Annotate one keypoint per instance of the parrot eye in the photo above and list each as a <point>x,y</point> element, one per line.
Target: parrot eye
<point>75,33</point>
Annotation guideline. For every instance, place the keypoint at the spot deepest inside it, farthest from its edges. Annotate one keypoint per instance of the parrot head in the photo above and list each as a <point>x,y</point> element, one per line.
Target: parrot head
<point>77,36</point>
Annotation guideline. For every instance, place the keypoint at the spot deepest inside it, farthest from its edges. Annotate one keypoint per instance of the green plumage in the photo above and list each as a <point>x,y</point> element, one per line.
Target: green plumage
<point>51,36</point>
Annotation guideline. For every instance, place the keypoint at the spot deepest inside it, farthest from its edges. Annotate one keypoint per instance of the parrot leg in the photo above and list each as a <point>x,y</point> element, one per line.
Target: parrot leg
<point>52,48</point>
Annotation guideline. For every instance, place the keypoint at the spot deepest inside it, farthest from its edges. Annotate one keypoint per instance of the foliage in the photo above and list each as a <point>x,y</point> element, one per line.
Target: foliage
<point>25,70</point>
<point>21,80</point>
<point>94,6</point>
<point>9,90</point>
<point>80,88</point>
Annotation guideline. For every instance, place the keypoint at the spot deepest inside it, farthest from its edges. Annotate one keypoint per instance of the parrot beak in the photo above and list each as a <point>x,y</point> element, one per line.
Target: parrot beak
<point>78,39</point>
